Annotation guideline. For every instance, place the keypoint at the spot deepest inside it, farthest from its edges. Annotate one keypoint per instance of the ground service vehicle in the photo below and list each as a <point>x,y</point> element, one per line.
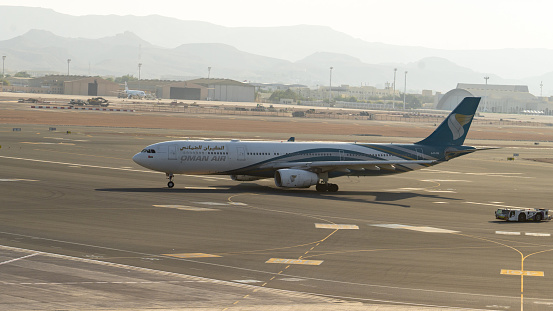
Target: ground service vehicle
<point>522,214</point>
<point>77,102</point>
<point>98,101</point>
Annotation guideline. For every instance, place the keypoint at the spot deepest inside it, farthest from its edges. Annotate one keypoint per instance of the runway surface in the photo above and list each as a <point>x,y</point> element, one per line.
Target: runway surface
<point>83,227</point>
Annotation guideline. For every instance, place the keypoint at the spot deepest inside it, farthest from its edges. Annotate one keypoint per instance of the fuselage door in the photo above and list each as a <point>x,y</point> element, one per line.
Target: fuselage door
<point>241,153</point>
<point>342,156</point>
<point>419,153</point>
<point>172,152</point>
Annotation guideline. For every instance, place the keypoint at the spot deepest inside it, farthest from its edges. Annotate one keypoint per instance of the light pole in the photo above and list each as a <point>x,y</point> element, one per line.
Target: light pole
<point>394,94</point>
<point>330,89</point>
<point>139,67</point>
<point>3,60</point>
<point>208,72</point>
<point>68,61</point>
<point>486,101</point>
<point>404,90</point>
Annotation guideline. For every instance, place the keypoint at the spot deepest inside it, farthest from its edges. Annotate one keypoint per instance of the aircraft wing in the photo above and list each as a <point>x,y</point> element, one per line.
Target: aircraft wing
<point>327,166</point>
<point>455,153</point>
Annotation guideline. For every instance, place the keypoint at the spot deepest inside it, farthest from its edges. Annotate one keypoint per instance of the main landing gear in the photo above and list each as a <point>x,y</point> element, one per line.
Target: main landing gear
<point>326,187</point>
<point>170,176</point>
<point>323,185</point>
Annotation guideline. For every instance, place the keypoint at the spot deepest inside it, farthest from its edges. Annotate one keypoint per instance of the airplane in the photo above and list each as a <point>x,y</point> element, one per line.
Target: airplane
<point>295,164</point>
<point>131,93</point>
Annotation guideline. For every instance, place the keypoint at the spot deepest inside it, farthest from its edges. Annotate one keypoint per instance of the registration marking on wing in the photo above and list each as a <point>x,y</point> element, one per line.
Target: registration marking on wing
<point>192,255</point>
<point>336,226</point>
<point>295,261</point>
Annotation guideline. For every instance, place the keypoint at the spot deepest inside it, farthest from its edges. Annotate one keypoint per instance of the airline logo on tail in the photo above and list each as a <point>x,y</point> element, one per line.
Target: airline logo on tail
<point>456,122</point>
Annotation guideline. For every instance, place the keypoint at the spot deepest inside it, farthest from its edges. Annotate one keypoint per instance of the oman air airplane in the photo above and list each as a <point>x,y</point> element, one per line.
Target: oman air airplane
<point>305,164</point>
<point>131,93</point>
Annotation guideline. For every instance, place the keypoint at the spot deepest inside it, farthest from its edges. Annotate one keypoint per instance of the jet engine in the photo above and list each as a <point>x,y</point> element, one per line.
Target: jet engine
<point>291,178</point>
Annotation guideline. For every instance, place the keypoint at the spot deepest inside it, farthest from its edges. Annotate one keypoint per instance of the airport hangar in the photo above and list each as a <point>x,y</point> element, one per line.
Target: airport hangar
<point>497,98</point>
<point>198,89</point>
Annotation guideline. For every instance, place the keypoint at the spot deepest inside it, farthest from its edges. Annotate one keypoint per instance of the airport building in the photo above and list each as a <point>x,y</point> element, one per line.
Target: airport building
<point>227,90</point>
<point>91,86</point>
<point>497,98</point>
<point>199,89</point>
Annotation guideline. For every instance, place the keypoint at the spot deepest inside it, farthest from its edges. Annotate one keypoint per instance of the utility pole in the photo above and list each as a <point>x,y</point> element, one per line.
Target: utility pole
<point>486,101</point>
<point>3,60</point>
<point>404,90</point>
<point>139,67</point>
<point>394,94</point>
<point>330,89</point>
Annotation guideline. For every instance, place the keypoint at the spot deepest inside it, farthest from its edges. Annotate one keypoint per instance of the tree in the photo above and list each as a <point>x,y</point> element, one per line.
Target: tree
<point>125,78</point>
<point>22,74</point>
<point>288,94</point>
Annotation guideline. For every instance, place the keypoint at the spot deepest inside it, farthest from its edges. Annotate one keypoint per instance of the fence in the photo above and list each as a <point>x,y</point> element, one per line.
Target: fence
<point>340,115</point>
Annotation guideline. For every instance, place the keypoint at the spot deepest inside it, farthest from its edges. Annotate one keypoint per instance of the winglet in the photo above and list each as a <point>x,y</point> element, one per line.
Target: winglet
<point>454,129</point>
<point>292,139</point>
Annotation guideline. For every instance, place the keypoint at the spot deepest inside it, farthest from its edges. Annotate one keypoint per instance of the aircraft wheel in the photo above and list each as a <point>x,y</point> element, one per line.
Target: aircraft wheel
<point>332,188</point>
<point>170,184</point>
<point>321,187</point>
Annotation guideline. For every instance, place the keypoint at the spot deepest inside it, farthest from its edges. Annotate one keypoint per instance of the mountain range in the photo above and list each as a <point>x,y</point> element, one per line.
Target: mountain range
<point>37,39</point>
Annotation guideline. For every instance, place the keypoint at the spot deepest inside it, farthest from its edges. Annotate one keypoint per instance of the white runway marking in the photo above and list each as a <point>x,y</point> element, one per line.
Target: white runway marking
<point>446,180</point>
<point>20,258</point>
<point>336,226</point>
<point>187,208</point>
<point>415,228</point>
<point>16,179</point>
<point>247,281</point>
<point>505,175</point>
<point>212,203</point>
<point>537,234</point>
<point>441,191</point>
<point>507,233</point>
<point>494,204</point>
<point>81,165</point>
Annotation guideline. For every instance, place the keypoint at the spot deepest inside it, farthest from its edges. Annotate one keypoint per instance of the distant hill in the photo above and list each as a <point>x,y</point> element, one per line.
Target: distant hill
<point>39,50</point>
<point>289,43</point>
<point>273,54</point>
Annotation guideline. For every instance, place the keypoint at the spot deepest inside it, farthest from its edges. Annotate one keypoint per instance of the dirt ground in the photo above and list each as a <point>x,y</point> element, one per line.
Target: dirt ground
<point>14,113</point>
<point>260,124</point>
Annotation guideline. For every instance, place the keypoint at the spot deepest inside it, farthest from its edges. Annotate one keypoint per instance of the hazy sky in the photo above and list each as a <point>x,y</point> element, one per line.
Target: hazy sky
<point>444,24</point>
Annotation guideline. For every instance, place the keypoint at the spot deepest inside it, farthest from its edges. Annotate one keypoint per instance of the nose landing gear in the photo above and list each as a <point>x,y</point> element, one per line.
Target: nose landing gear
<point>170,176</point>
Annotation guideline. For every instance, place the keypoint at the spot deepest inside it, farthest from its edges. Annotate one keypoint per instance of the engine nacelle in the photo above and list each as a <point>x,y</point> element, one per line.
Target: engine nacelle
<point>245,177</point>
<point>291,178</point>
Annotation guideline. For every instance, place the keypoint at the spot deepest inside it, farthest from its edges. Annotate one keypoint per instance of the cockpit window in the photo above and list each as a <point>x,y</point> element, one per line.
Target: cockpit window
<point>148,151</point>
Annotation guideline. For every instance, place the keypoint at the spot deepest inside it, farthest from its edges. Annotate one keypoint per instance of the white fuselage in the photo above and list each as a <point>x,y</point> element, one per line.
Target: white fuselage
<point>260,158</point>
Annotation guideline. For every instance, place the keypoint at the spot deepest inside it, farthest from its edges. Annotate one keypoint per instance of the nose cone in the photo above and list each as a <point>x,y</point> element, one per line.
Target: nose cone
<point>138,158</point>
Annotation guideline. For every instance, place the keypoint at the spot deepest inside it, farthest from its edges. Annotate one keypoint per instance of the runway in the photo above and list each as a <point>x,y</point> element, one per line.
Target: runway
<point>80,222</point>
